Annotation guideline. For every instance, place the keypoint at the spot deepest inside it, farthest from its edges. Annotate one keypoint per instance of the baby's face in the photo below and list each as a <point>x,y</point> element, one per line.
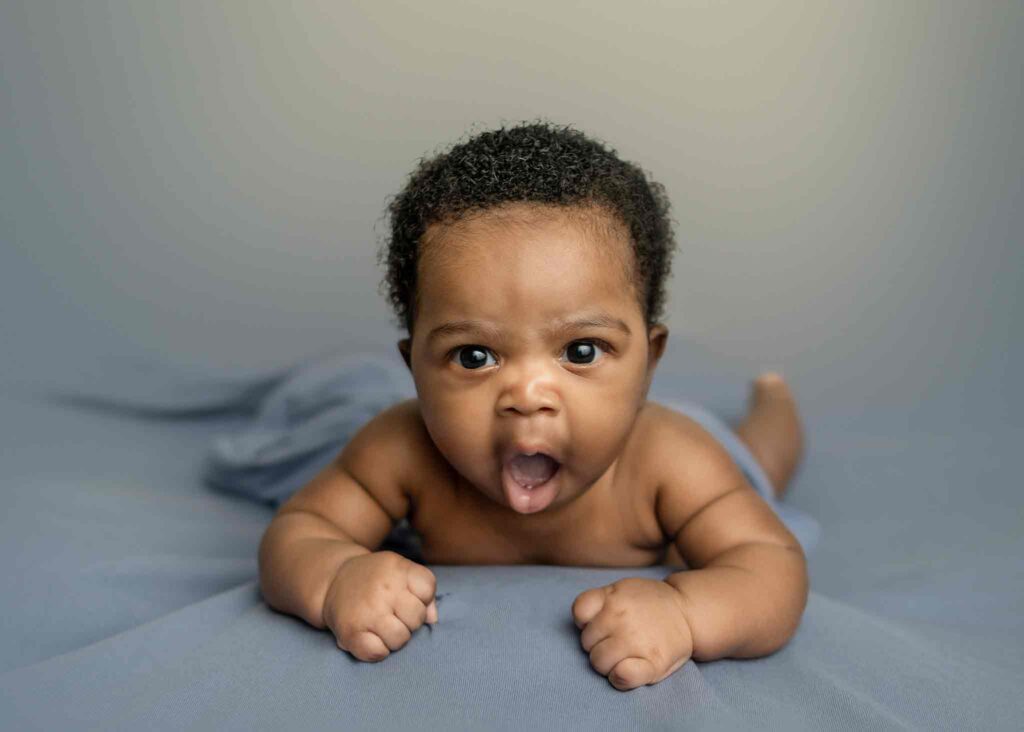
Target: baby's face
<point>504,363</point>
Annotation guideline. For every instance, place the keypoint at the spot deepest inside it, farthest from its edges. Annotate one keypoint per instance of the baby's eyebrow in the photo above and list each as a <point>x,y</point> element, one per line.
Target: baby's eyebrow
<point>462,326</point>
<point>564,325</point>
<point>597,320</point>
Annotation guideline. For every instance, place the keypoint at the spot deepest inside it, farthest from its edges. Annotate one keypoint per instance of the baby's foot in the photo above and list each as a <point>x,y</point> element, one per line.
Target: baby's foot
<point>772,429</point>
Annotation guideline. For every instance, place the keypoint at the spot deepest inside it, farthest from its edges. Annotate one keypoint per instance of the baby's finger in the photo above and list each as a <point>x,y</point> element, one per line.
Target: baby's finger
<point>587,605</point>
<point>421,582</point>
<point>606,654</point>
<point>632,672</point>
<point>599,628</point>
<point>392,631</point>
<point>432,612</point>
<point>410,610</point>
<point>366,646</point>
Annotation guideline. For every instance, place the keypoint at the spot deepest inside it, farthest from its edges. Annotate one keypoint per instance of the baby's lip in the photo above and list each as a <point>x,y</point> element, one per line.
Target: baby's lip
<point>530,448</point>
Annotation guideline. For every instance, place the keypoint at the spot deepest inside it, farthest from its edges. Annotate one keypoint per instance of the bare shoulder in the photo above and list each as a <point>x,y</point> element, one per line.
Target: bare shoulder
<point>703,500</point>
<point>676,449</point>
<point>661,418</point>
<point>370,469</point>
<point>689,466</point>
<point>362,490</point>
<point>662,440</point>
<point>662,428</point>
<point>390,447</point>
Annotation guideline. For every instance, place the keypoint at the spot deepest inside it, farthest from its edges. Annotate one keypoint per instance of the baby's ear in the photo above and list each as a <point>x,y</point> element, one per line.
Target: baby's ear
<point>404,347</point>
<point>657,338</point>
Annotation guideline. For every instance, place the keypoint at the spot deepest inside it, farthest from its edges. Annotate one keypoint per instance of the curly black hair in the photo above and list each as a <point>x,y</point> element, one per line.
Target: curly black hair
<point>533,162</point>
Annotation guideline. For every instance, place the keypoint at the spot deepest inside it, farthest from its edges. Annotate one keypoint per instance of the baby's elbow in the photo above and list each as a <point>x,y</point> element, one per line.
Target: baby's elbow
<point>795,601</point>
<point>789,605</point>
<point>768,642</point>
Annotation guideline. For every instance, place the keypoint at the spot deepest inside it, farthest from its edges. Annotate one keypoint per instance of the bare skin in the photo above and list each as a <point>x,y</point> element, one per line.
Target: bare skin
<point>772,430</point>
<point>637,483</point>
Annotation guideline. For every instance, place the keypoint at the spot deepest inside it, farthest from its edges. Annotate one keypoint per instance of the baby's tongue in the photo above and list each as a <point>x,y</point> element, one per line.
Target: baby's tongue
<point>532,470</point>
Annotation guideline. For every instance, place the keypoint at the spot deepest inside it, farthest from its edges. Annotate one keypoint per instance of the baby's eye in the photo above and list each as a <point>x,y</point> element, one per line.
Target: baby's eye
<point>471,357</point>
<point>585,351</point>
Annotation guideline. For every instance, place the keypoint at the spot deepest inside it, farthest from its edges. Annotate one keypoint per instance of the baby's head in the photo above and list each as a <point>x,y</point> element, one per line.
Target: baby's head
<point>528,266</point>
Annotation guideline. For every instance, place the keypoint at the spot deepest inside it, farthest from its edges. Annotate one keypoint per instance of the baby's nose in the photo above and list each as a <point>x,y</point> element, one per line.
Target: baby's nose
<point>527,393</point>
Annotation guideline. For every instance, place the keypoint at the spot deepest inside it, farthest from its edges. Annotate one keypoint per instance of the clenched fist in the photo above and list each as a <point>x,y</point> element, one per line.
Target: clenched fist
<point>376,601</point>
<point>634,631</point>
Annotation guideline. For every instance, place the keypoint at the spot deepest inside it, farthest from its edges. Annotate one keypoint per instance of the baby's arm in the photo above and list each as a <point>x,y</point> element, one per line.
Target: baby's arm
<point>743,595</point>
<point>317,558</point>
<point>747,587</point>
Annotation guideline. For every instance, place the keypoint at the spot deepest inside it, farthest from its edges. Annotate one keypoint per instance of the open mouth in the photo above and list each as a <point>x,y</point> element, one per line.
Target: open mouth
<point>530,482</point>
<point>530,471</point>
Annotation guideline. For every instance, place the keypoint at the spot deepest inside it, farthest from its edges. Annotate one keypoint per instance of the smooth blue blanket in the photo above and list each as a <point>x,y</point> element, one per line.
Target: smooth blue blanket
<point>129,598</point>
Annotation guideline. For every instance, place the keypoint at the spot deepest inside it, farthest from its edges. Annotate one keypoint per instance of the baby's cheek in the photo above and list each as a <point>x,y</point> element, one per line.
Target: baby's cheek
<point>602,433</point>
<point>464,445</point>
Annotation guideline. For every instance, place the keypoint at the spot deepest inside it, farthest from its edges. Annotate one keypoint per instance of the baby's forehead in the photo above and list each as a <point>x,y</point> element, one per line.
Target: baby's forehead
<point>598,231</point>
<point>491,268</point>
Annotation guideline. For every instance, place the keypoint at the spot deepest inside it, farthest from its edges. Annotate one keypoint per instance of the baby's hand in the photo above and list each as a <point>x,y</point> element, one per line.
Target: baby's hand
<point>634,630</point>
<point>376,601</point>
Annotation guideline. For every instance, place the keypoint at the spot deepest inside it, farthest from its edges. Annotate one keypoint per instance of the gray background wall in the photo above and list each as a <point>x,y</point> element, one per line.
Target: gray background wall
<point>203,183</point>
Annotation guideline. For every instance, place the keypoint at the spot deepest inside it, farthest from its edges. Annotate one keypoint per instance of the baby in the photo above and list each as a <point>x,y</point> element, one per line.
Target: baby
<point>527,265</point>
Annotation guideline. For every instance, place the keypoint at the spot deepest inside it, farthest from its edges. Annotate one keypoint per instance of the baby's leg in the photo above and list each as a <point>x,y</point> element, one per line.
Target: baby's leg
<point>772,429</point>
